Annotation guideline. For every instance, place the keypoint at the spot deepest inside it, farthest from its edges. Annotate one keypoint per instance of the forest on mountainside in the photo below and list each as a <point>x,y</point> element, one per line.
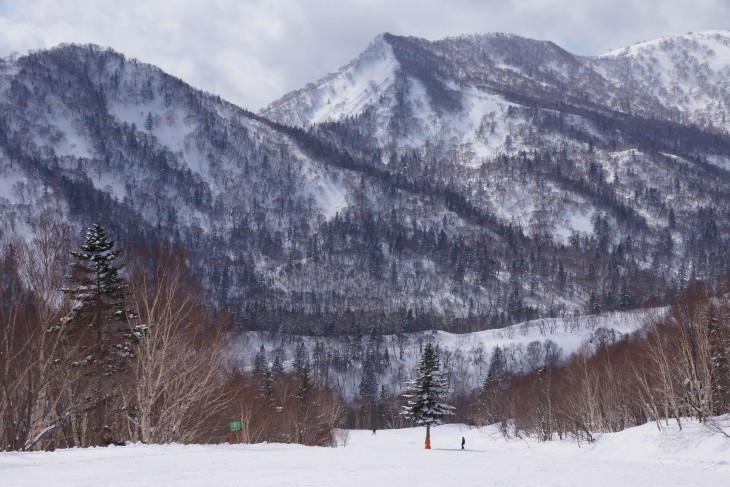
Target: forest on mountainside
<point>575,209</point>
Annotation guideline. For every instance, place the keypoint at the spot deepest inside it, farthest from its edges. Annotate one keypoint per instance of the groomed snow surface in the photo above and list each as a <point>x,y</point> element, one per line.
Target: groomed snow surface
<point>642,456</point>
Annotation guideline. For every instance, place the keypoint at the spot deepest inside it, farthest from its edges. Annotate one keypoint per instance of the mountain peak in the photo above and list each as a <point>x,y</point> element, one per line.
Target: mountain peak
<point>343,93</point>
<point>708,38</point>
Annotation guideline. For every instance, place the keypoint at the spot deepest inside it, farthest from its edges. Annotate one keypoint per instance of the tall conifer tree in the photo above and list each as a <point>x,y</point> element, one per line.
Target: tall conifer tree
<point>97,323</point>
<point>98,296</point>
<point>426,392</point>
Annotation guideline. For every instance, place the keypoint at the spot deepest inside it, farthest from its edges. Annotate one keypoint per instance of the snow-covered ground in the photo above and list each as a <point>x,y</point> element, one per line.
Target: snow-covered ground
<point>639,456</point>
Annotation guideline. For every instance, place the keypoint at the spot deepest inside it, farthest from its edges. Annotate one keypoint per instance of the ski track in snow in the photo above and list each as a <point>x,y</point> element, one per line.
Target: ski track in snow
<point>638,456</point>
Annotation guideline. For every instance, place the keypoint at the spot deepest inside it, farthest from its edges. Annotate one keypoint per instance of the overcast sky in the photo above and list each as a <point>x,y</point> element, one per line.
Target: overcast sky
<point>253,51</point>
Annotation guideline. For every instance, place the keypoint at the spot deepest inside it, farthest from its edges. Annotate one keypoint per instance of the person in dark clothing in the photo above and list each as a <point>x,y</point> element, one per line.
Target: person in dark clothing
<point>373,430</point>
<point>462,442</point>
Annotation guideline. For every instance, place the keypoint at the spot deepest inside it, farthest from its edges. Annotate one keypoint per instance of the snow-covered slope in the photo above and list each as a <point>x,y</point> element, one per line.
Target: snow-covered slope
<point>465,357</point>
<point>643,456</point>
<point>687,74</point>
<point>136,132</point>
<point>88,135</point>
<point>343,94</point>
<point>463,97</point>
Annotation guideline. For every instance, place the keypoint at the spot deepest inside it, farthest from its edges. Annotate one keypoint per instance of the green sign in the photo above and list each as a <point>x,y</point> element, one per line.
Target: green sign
<point>235,426</point>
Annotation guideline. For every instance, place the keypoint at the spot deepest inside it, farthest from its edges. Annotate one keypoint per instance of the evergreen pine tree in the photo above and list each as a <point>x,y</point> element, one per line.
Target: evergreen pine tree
<point>266,387</point>
<point>97,322</point>
<point>301,359</point>
<point>496,383</point>
<point>277,368</point>
<point>149,122</point>
<point>260,364</point>
<point>369,381</point>
<point>425,393</point>
<point>98,297</point>
<point>369,387</point>
<point>497,367</point>
<point>304,389</point>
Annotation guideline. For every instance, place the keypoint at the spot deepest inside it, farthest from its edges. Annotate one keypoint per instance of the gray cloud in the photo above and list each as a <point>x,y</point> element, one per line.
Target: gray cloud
<point>251,52</point>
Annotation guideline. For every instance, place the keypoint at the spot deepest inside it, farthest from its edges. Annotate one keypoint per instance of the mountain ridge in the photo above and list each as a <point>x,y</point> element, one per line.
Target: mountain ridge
<point>533,50</point>
<point>414,179</point>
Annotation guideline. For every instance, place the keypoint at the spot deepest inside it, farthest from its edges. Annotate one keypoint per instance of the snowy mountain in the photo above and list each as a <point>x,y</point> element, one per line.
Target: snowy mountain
<point>680,78</point>
<point>627,151</point>
<point>88,135</point>
<point>686,76</point>
<point>461,184</point>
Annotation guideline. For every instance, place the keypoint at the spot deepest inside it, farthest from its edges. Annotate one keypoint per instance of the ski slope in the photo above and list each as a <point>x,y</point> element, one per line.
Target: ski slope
<point>644,456</point>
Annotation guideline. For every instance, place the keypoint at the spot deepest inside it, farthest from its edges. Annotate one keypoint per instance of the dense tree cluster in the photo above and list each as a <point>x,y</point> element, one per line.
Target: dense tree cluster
<point>674,368</point>
<point>171,380</point>
<point>79,369</point>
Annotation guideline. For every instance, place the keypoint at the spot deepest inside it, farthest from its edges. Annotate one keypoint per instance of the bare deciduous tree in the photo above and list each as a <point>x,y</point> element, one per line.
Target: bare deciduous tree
<point>176,377</point>
<point>32,406</point>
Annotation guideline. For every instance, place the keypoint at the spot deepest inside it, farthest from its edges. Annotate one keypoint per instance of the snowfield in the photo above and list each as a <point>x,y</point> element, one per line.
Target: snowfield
<point>645,456</point>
